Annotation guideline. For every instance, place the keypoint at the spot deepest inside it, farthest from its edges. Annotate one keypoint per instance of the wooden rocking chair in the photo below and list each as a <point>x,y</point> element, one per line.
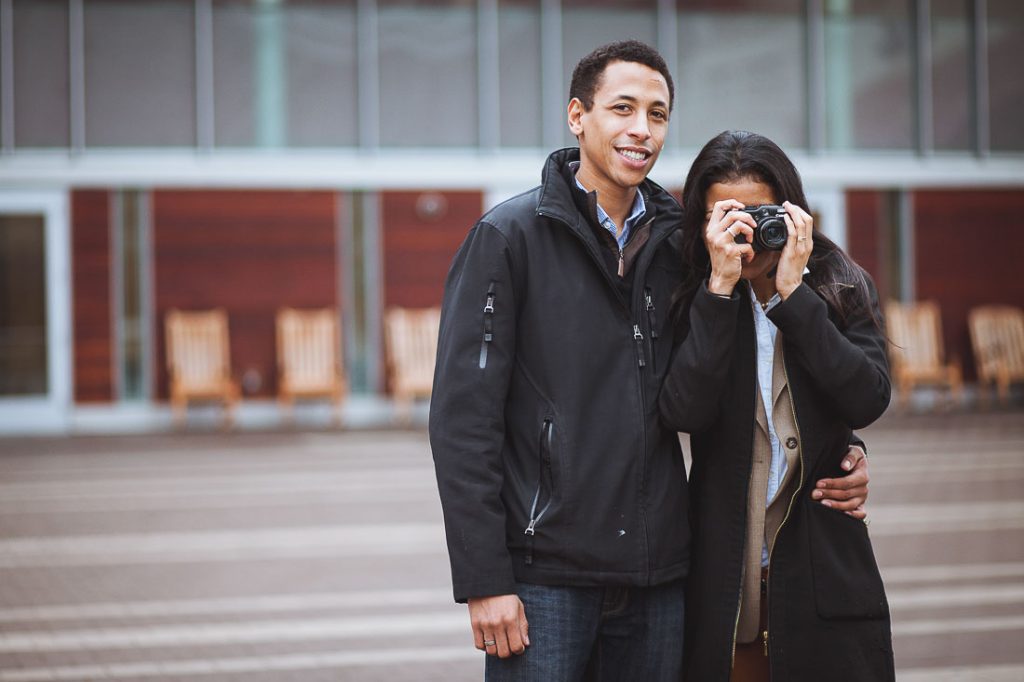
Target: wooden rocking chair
<point>916,352</point>
<point>997,336</point>
<point>198,361</point>
<point>410,339</point>
<point>309,358</point>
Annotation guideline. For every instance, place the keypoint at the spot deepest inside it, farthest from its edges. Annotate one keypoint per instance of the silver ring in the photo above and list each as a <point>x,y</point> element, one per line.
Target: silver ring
<point>730,230</point>
<point>801,239</point>
<point>867,521</point>
<point>489,642</point>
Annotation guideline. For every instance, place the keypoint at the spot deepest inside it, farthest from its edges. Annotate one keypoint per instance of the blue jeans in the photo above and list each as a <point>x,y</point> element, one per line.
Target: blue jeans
<point>599,634</point>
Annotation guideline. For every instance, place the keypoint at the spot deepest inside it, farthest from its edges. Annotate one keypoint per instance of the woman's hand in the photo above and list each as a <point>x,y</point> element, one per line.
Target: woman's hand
<point>726,255</point>
<point>797,251</point>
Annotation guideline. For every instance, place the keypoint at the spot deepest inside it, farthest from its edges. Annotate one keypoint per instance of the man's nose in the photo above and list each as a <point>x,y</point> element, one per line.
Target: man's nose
<point>640,129</point>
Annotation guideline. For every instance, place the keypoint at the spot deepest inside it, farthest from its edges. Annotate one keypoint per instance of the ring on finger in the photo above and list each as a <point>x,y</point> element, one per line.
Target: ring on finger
<point>801,238</point>
<point>731,230</point>
<point>489,642</point>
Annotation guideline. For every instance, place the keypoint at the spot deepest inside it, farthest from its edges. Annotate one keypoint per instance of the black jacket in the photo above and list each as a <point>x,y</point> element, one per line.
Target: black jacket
<point>545,400</point>
<point>828,615</point>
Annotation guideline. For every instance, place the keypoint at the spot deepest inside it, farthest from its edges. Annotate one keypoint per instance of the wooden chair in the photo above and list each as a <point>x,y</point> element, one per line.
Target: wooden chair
<point>997,336</point>
<point>198,361</point>
<point>410,339</point>
<point>309,358</point>
<point>916,352</point>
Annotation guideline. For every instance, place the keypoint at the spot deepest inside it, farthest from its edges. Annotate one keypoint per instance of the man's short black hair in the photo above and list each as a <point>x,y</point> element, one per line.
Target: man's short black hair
<point>586,77</point>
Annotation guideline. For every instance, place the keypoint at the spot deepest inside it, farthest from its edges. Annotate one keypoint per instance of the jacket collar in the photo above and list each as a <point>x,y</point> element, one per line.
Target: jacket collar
<point>556,198</point>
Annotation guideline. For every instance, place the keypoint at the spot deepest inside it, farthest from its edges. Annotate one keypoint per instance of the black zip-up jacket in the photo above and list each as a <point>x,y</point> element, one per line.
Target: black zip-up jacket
<point>552,463</point>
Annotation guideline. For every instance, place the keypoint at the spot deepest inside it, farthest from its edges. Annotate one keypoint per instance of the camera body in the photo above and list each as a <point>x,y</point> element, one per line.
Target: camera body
<point>771,233</point>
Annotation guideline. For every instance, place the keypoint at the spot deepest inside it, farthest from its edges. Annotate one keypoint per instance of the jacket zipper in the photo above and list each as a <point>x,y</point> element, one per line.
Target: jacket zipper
<point>622,263</point>
<point>639,338</point>
<point>544,448</point>
<point>799,485</point>
<point>488,326</point>
<point>652,326</point>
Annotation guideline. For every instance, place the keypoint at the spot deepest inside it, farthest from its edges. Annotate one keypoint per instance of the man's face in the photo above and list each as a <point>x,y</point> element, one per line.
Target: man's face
<point>622,134</point>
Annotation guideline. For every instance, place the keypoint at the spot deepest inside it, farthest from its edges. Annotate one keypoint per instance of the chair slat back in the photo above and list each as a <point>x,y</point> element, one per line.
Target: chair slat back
<point>997,336</point>
<point>197,347</point>
<point>411,342</point>
<point>308,348</point>
<point>916,332</point>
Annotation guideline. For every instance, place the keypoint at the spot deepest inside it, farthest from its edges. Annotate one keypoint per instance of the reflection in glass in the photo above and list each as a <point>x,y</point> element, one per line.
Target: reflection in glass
<point>139,73</point>
<point>40,67</point>
<point>951,67</point>
<point>869,82</point>
<point>741,69</point>
<point>23,348</point>
<point>519,49</point>
<point>428,57</point>
<point>1006,87</point>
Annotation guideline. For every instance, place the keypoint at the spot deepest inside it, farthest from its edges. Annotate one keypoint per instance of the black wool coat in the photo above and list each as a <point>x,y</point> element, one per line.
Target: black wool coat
<point>552,462</point>
<point>828,617</point>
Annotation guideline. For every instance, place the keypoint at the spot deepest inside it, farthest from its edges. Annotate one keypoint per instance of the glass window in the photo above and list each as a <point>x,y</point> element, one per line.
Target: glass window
<point>520,73</point>
<point>428,73</point>
<point>41,86</point>
<point>741,70</point>
<point>321,73</point>
<point>139,73</point>
<point>869,84</point>
<point>234,73</point>
<point>23,353</point>
<point>952,93</point>
<point>588,24</point>
<point>1006,87</point>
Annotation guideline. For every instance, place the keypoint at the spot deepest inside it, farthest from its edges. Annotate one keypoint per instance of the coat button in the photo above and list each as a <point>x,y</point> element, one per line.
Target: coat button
<point>791,442</point>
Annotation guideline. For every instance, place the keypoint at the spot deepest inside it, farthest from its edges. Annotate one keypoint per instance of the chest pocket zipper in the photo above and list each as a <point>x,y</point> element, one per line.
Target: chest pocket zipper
<point>652,326</point>
<point>488,326</point>
<point>544,450</point>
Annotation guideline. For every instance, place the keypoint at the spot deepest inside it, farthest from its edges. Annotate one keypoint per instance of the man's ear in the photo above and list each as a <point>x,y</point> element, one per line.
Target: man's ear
<point>575,116</point>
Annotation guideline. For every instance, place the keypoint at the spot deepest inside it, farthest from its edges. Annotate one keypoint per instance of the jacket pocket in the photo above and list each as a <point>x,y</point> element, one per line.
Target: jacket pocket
<point>847,583</point>
<point>652,326</point>
<point>545,486</point>
<point>488,326</point>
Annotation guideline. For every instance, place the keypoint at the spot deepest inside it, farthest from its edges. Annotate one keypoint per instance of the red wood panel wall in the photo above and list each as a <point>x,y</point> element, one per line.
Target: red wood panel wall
<point>250,252</point>
<point>967,245</point>
<point>422,231</point>
<point>91,299</point>
<point>864,233</point>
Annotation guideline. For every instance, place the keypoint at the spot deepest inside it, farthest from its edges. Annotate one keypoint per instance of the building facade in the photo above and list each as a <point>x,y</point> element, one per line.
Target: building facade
<point>255,154</point>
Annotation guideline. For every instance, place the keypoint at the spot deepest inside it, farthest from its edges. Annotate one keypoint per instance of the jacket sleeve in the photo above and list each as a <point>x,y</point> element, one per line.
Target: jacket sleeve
<point>475,353</point>
<point>691,394</point>
<point>849,366</point>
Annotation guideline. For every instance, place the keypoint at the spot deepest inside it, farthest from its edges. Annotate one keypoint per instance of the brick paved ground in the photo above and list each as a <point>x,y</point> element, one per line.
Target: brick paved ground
<point>320,556</point>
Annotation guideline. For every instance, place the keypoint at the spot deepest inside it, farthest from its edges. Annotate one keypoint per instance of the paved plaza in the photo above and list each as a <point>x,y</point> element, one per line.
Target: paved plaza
<point>320,555</point>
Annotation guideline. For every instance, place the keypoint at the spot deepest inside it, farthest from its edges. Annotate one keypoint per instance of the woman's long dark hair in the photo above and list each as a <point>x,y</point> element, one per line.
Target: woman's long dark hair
<point>737,155</point>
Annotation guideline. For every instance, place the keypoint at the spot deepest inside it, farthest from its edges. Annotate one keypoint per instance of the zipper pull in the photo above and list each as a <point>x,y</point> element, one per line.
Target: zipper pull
<point>764,636</point>
<point>529,529</point>
<point>639,338</point>
<point>622,264</point>
<point>650,314</point>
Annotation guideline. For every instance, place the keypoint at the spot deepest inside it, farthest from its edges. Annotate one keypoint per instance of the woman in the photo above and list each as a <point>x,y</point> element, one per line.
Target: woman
<point>783,354</point>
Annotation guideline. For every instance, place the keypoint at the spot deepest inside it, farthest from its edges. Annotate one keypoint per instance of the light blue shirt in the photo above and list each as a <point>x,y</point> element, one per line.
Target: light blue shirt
<point>766,332</point>
<point>635,216</point>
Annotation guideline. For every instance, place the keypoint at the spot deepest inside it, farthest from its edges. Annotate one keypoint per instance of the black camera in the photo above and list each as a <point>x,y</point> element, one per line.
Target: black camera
<point>771,232</point>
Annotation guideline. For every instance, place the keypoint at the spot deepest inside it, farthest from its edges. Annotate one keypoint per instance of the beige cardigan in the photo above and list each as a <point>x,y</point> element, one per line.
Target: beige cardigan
<point>764,523</point>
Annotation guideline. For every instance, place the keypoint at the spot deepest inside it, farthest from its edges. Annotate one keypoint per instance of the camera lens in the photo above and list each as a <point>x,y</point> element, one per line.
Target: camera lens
<point>771,234</point>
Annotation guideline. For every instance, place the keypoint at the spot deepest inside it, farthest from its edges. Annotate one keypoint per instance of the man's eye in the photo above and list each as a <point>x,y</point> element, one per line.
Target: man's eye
<point>660,115</point>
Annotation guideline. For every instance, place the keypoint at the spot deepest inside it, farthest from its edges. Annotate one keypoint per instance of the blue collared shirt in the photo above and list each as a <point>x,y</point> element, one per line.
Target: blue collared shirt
<point>635,216</point>
<point>766,333</point>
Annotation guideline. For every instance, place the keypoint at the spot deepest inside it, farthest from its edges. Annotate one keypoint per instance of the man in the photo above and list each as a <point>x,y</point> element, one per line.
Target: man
<point>564,497</point>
